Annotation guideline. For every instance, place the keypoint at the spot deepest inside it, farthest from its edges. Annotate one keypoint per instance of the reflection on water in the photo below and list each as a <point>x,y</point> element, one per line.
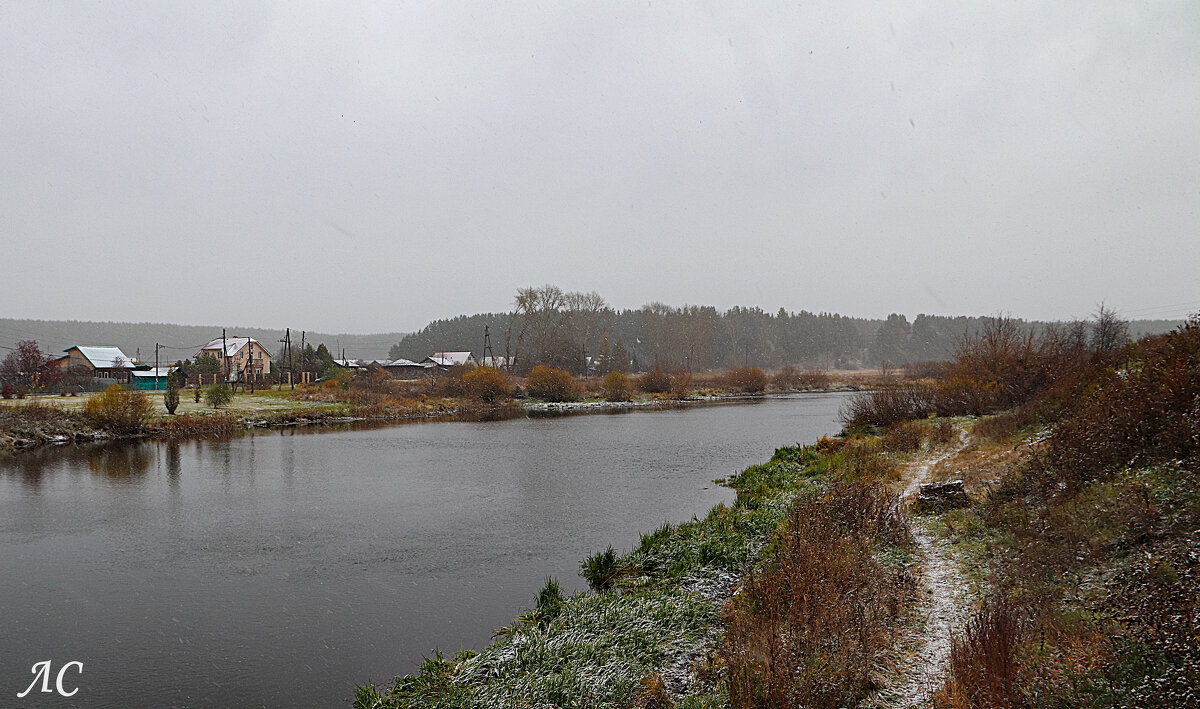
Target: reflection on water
<point>120,460</point>
<point>280,569</point>
<point>123,459</point>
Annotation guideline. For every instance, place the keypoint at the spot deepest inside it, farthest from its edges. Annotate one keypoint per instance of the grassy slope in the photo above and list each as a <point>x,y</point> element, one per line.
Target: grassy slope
<point>814,525</point>
<point>1088,542</point>
<point>603,648</point>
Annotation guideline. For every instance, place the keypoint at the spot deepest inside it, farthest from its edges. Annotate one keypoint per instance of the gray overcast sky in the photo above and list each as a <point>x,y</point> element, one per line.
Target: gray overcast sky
<point>363,167</point>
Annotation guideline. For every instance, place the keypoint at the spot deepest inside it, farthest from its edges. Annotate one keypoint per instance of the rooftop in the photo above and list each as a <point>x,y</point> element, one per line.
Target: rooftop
<point>103,356</point>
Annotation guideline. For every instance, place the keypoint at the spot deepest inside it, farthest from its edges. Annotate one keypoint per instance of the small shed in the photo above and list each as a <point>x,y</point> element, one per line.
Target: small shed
<point>150,379</point>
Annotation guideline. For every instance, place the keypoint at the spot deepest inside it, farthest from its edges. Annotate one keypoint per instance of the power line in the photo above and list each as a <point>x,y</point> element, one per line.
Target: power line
<point>1175,307</point>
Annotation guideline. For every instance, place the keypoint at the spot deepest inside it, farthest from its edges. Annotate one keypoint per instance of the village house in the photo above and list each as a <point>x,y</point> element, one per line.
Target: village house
<point>233,353</point>
<point>98,362</point>
<point>445,360</point>
<point>496,362</point>
<point>408,369</point>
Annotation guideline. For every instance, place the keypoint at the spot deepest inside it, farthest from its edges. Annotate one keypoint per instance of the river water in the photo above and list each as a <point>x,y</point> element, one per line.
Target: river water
<point>283,568</point>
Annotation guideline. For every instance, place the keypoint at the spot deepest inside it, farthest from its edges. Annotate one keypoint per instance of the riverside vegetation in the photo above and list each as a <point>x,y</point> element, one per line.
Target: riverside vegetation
<point>820,546</point>
<point>370,394</point>
<point>1083,542</point>
<point>1079,548</point>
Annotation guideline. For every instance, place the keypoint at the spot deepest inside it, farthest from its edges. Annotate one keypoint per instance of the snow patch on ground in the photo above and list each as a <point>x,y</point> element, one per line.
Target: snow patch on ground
<point>945,606</point>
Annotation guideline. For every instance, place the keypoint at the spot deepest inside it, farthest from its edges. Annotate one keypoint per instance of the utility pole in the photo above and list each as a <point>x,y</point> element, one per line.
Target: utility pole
<point>224,356</point>
<point>302,334</point>
<point>281,368</point>
<point>291,363</point>
<point>487,346</point>
<point>155,366</point>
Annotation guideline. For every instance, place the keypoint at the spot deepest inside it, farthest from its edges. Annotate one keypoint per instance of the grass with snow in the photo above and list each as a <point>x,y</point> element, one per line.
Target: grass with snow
<point>652,625</point>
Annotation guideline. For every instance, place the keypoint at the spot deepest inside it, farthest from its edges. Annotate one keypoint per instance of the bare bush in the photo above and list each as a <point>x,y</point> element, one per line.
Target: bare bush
<point>681,384</point>
<point>119,409</point>
<point>655,382</point>
<point>885,406</point>
<point>487,384</point>
<point>928,369</point>
<point>942,432</point>
<point>903,437</point>
<point>815,379</point>
<point>748,380</point>
<point>1136,414</point>
<point>617,386</point>
<point>551,384</point>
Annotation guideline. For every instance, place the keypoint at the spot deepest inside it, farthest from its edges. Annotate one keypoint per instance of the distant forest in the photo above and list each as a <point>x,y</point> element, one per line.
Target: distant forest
<point>550,326</point>
<point>178,341</point>
<point>559,328</point>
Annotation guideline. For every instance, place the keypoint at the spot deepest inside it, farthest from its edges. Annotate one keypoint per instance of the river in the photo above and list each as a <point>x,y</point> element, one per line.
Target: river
<point>283,568</point>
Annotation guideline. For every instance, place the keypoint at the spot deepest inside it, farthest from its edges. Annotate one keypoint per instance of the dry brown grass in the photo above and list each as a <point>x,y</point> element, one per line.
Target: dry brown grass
<point>1092,535</point>
<point>652,694</point>
<point>791,379</point>
<point>186,425</point>
<point>904,437</point>
<point>983,660</point>
<point>997,428</point>
<point>747,380</point>
<point>982,464</point>
<point>805,630</point>
<point>942,431</point>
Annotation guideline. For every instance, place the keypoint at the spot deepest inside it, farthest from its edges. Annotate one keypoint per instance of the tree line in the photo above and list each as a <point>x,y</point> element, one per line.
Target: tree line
<point>562,329</point>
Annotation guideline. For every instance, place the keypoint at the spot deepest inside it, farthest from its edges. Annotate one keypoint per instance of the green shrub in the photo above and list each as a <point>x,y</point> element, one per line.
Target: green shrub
<point>218,395</point>
<point>171,395</point>
<point>600,569</point>
<point>549,602</point>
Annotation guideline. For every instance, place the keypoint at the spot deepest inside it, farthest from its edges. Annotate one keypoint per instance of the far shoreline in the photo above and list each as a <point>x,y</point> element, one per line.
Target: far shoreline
<point>78,432</point>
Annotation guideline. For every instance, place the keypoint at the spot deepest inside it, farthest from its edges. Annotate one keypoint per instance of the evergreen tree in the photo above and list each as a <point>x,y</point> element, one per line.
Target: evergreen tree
<point>171,395</point>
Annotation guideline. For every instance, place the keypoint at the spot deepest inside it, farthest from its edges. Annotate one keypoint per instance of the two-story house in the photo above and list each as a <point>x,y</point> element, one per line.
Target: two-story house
<point>234,352</point>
